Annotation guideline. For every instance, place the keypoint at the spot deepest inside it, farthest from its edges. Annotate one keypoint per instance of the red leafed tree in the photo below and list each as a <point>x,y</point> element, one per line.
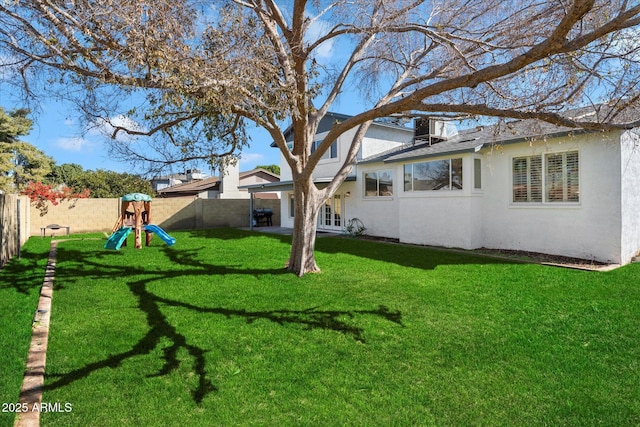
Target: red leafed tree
<point>41,194</point>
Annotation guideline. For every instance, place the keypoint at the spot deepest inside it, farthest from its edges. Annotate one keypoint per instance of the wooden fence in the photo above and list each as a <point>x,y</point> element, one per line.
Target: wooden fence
<point>14,225</point>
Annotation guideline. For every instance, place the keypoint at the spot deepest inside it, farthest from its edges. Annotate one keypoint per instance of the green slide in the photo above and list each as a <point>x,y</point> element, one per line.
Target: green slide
<point>117,238</point>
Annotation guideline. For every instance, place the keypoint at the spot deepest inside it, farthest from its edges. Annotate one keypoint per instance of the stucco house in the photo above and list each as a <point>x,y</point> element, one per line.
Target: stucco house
<point>225,186</point>
<point>164,181</point>
<point>524,185</point>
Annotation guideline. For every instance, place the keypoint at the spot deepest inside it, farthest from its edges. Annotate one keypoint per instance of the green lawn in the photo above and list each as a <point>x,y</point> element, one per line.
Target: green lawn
<point>213,331</point>
<point>20,283</point>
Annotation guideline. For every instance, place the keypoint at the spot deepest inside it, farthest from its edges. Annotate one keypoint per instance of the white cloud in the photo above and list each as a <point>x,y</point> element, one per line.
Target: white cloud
<point>317,29</point>
<point>251,158</point>
<point>106,127</point>
<point>71,144</point>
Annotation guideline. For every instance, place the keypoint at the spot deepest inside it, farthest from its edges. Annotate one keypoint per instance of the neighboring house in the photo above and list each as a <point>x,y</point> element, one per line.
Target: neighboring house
<point>160,182</point>
<point>225,187</point>
<point>524,185</point>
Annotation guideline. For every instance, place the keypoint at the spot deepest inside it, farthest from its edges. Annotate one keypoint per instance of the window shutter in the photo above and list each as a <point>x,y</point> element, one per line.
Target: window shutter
<point>555,178</point>
<point>520,179</point>
<point>527,179</point>
<point>573,177</point>
<point>562,177</point>
<point>535,179</point>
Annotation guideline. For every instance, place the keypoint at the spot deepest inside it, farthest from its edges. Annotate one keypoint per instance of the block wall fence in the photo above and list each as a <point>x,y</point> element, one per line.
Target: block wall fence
<point>95,215</point>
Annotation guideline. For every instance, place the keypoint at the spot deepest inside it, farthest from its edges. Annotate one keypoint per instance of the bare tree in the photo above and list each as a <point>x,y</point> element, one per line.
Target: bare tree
<point>205,69</point>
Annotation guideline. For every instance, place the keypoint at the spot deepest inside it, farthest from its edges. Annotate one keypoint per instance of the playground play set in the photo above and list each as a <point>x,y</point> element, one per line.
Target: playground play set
<point>135,216</point>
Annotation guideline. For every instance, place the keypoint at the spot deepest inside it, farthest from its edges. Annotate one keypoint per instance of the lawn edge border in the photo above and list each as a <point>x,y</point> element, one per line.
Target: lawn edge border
<point>33,382</point>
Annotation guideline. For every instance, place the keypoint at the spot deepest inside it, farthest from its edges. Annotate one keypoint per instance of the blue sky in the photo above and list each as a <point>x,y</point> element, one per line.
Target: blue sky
<point>57,131</point>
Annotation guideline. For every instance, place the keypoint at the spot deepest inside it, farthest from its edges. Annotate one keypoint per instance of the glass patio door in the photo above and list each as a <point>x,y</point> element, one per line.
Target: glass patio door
<point>331,214</point>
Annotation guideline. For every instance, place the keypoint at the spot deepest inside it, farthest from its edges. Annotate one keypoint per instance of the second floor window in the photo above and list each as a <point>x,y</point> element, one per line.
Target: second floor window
<point>331,153</point>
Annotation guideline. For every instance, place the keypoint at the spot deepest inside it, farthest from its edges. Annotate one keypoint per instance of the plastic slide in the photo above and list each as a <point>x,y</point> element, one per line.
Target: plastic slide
<point>116,239</point>
<point>161,234</point>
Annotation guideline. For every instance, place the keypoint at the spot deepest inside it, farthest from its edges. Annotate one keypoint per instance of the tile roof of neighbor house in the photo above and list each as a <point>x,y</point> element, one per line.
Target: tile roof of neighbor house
<point>474,139</point>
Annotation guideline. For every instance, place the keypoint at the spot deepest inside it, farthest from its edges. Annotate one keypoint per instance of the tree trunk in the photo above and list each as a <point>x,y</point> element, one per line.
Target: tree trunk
<point>307,204</point>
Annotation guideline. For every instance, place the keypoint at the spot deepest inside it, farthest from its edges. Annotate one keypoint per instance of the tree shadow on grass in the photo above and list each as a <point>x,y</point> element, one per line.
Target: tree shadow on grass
<point>386,250</point>
<point>407,255</point>
<point>26,273</point>
<point>161,330</point>
<point>237,234</point>
<point>187,262</point>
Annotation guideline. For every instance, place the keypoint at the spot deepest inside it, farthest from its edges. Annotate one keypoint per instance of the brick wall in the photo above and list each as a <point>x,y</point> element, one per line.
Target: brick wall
<point>180,213</point>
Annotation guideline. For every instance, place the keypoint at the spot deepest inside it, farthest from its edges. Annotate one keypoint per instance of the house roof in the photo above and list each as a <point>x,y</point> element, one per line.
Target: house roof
<point>288,185</point>
<point>474,139</point>
<point>330,119</point>
<point>262,173</point>
<point>212,183</point>
<point>192,187</point>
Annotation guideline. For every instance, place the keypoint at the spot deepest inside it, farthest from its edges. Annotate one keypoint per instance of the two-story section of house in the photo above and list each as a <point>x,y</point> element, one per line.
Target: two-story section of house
<point>381,137</point>
<point>522,185</point>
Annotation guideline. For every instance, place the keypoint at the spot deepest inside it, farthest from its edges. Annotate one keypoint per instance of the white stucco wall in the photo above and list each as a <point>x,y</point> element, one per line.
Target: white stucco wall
<point>285,170</point>
<point>379,138</point>
<point>439,218</point>
<point>630,176</point>
<point>589,229</point>
<point>443,218</point>
<point>604,225</point>
<point>378,215</point>
<point>487,217</point>
<point>285,219</point>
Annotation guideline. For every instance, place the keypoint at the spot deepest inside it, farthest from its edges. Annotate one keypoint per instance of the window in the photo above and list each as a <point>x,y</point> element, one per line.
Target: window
<point>331,153</point>
<point>560,180</point>
<point>477,174</point>
<point>337,206</point>
<point>562,177</point>
<point>527,179</point>
<point>292,206</point>
<point>433,176</point>
<point>378,183</point>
